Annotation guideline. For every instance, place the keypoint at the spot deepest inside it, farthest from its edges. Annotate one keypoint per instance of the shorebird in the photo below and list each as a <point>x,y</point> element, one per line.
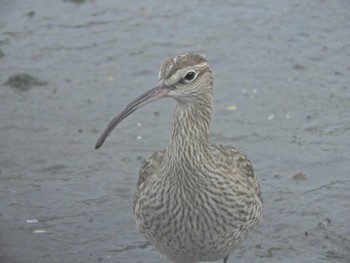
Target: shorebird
<point>195,201</point>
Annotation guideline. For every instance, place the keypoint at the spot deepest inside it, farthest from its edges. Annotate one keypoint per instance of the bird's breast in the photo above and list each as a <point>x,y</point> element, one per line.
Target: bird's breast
<point>190,217</point>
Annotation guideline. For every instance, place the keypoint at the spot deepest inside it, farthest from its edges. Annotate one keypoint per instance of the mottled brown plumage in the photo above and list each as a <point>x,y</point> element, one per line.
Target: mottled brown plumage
<point>195,201</point>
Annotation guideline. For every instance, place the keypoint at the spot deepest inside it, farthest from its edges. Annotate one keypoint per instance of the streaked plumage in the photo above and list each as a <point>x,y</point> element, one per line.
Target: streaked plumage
<point>194,201</point>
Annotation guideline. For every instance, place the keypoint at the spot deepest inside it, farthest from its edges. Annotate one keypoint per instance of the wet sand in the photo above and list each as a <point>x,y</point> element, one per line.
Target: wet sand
<point>282,95</point>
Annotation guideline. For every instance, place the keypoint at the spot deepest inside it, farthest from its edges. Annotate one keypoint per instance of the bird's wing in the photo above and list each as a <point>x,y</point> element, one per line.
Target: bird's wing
<point>150,165</point>
<point>233,158</point>
<point>148,169</point>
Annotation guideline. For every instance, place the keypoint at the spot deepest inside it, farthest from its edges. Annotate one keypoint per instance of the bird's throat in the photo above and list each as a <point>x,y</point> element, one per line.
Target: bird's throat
<point>190,131</point>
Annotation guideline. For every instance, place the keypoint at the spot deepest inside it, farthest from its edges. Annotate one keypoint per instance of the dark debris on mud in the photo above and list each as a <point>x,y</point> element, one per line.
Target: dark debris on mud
<point>23,82</point>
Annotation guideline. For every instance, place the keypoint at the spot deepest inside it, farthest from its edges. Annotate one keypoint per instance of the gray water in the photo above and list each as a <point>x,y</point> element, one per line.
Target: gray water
<point>283,64</point>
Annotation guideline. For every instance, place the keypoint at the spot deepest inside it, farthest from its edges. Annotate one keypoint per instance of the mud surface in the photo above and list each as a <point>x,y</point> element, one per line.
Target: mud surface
<point>282,95</point>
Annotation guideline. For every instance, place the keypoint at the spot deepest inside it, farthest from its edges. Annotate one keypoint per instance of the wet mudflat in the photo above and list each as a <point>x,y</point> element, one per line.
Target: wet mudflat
<point>282,95</point>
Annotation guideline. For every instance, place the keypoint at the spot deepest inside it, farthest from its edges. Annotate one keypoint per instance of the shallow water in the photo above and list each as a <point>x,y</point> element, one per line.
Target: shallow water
<point>283,64</point>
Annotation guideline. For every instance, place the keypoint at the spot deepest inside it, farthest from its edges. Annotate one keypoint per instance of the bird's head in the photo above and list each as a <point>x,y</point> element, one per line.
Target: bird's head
<point>186,78</point>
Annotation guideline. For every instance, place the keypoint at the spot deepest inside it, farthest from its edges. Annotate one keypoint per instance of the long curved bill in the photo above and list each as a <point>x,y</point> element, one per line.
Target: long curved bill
<point>154,94</point>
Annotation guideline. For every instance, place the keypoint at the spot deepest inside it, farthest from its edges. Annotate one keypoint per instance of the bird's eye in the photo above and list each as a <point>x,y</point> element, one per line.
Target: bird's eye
<point>190,76</point>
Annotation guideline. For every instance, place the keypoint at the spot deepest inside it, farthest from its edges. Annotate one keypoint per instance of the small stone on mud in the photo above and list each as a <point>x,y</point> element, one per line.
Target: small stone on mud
<point>231,108</point>
<point>34,220</point>
<point>39,231</point>
<point>75,1</point>
<point>328,220</point>
<point>325,223</point>
<point>320,225</point>
<point>298,67</point>
<point>271,117</point>
<point>299,176</point>
<point>23,82</point>
<point>31,13</point>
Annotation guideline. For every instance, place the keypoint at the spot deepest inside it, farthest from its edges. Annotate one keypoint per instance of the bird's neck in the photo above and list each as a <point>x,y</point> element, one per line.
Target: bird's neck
<point>190,131</point>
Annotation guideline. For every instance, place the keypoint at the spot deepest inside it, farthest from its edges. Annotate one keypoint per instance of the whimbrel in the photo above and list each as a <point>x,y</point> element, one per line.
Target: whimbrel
<point>195,201</point>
